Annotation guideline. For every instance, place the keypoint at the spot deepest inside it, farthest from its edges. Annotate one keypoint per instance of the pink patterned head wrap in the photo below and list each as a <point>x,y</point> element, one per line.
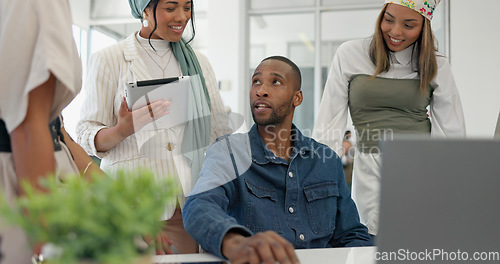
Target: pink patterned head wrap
<point>424,7</point>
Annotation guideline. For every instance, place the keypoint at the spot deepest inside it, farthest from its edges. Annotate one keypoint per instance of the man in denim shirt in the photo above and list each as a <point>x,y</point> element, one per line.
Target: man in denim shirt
<point>266,192</point>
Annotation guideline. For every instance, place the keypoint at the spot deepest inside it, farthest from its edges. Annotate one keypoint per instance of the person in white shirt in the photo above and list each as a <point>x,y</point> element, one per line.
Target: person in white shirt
<point>40,75</point>
<point>387,82</point>
<point>109,130</point>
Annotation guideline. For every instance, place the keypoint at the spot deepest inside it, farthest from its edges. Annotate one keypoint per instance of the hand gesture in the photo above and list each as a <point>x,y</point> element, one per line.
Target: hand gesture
<point>130,122</point>
<point>266,247</point>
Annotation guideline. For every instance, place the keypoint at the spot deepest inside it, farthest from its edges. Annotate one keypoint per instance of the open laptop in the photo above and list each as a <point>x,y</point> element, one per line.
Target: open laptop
<point>440,202</point>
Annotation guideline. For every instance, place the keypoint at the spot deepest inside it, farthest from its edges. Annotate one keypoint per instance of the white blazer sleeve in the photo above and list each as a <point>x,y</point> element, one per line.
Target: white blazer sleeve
<point>331,121</point>
<point>447,117</point>
<point>220,118</point>
<point>98,107</point>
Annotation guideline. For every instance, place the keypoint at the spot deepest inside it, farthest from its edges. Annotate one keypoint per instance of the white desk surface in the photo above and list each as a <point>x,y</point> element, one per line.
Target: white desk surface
<point>354,255</point>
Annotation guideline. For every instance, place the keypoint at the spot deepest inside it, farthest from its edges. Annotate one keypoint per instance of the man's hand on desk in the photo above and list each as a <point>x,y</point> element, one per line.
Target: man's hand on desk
<point>266,247</point>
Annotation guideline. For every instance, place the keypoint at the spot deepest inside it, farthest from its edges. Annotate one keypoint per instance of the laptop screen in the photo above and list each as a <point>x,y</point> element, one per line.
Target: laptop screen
<point>440,199</point>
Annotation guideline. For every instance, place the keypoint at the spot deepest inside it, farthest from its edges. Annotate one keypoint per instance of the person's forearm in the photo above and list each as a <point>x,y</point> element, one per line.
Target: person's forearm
<point>82,160</point>
<point>31,141</point>
<point>33,153</point>
<point>108,138</point>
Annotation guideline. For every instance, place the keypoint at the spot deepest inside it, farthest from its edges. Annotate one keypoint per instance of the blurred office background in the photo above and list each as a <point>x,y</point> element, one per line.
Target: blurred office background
<point>237,34</point>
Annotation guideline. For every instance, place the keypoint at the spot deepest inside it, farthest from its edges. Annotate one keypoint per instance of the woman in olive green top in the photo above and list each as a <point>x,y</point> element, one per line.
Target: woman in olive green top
<point>387,82</point>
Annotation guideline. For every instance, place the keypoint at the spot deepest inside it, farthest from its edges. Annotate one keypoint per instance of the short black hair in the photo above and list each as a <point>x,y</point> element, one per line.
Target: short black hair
<point>294,66</point>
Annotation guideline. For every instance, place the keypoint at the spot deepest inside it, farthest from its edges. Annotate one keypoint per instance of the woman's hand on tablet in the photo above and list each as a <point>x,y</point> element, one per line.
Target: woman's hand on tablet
<point>129,122</point>
<point>133,121</point>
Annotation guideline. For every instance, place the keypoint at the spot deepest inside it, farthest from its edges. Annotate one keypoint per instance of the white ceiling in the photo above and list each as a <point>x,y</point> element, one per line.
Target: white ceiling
<point>120,10</point>
<point>114,17</point>
<point>109,9</point>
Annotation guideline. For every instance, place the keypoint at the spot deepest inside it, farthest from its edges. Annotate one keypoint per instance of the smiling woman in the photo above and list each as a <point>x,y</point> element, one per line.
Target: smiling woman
<point>387,83</point>
<point>166,19</point>
<point>107,129</point>
<point>400,27</point>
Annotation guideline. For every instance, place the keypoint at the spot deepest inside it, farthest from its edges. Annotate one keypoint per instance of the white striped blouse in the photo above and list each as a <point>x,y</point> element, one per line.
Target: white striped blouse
<point>109,71</point>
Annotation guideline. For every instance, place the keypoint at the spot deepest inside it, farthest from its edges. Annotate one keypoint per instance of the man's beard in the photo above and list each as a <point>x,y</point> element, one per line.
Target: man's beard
<point>277,116</point>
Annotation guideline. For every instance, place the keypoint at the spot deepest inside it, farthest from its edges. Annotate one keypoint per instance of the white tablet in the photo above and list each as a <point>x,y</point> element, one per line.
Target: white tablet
<point>176,90</point>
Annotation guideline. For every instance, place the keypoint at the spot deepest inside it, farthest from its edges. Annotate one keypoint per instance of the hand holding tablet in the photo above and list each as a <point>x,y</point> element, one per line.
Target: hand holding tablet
<point>159,104</point>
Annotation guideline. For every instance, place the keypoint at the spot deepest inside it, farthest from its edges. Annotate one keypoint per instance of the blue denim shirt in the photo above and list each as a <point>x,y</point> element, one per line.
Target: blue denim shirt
<point>244,187</point>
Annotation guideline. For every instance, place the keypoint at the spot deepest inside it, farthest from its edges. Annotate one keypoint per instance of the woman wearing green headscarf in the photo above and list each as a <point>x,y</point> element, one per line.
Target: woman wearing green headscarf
<point>107,129</point>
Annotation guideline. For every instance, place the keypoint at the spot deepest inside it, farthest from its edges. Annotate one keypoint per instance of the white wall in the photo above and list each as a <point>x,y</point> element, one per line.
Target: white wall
<point>475,60</point>
<point>80,12</point>
<point>224,49</point>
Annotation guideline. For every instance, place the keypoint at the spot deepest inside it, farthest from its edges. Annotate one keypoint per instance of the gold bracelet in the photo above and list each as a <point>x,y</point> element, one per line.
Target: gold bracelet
<point>86,168</point>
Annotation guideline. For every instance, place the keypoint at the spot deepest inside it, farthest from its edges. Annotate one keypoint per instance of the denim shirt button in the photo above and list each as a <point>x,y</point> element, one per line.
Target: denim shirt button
<point>290,209</point>
<point>302,237</point>
<point>290,174</point>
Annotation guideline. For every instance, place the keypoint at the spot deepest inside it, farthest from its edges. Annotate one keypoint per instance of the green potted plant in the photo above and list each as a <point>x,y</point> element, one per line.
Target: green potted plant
<point>99,221</point>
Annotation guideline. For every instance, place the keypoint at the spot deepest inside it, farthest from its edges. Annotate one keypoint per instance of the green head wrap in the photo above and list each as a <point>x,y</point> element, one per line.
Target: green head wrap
<point>137,6</point>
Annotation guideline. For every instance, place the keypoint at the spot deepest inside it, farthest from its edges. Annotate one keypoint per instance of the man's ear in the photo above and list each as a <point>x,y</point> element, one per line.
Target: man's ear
<point>297,98</point>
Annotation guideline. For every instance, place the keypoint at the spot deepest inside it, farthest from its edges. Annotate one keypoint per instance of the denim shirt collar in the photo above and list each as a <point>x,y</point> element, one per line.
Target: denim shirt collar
<point>261,154</point>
